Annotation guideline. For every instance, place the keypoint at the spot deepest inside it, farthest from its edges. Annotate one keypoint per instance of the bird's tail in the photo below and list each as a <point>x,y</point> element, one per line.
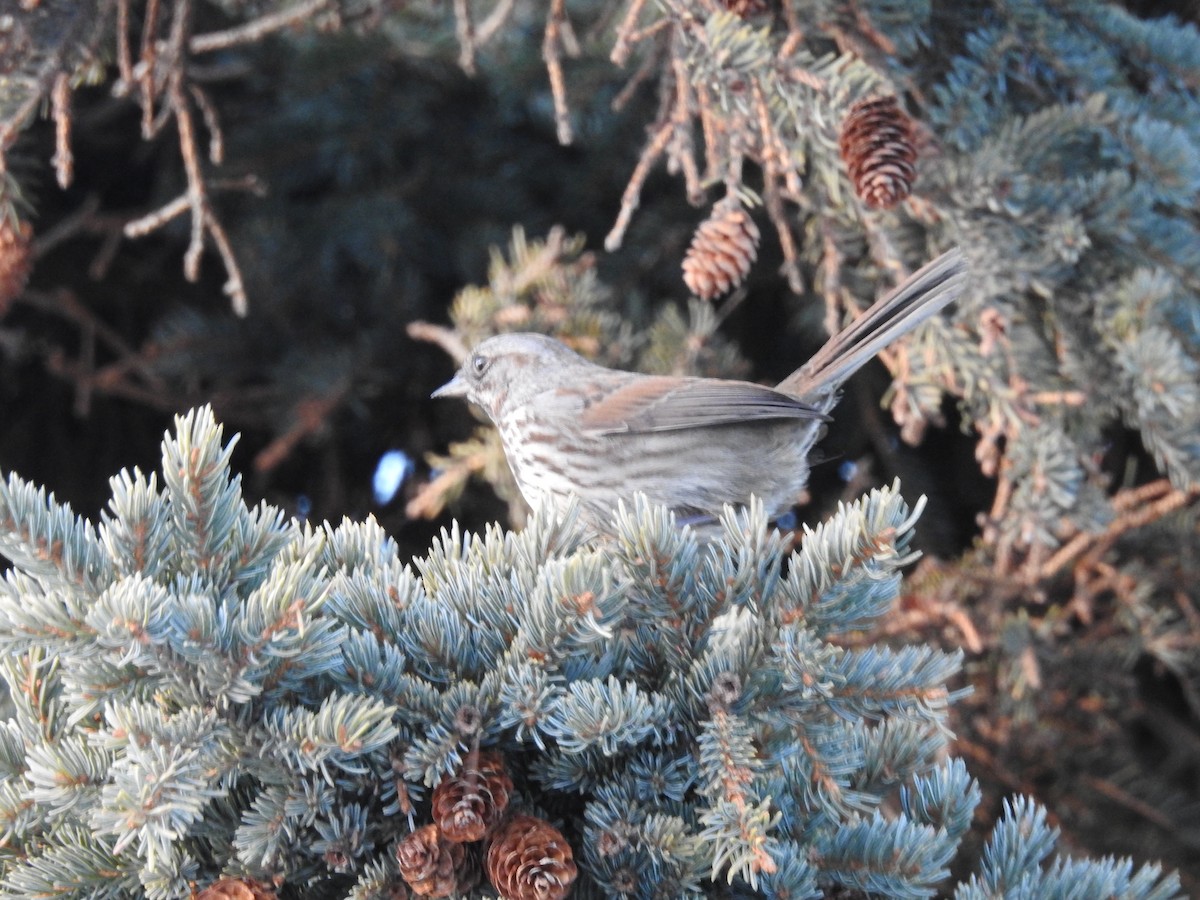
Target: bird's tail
<point>922,295</point>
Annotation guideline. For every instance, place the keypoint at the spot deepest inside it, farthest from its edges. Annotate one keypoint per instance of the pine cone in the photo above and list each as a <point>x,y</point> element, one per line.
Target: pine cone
<point>746,9</point>
<point>877,144</point>
<point>529,859</point>
<point>722,251</point>
<point>468,804</point>
<point>235,889</point>
<point>14,260</point>
<point>429,864</point>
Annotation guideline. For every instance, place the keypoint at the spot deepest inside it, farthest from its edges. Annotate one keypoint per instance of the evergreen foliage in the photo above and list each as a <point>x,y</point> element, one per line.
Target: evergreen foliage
<point>340,167</point>
<point>199,687</point>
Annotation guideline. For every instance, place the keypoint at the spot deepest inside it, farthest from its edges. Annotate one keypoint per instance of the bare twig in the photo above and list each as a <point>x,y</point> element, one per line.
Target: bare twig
<point>110,242</point>
<point>216,140</point>
<point>143,225</point>
<point>88,220</point>
<point>1133,497</point>
<point>1131,802</point>
<point>1058,398</point>
<point>1148,504</point>
<point>87,364</point>
<point>204,220</point>
<point>625,32</point>
<point>66,305</point>
<point>645,70</point>
<point>831,280</point>
<point>633,190</point>
<point>446,338</point>
<point>652,30</point>
<point>922,610</point>
<point>145,69</point>
<point>567,36</point>
<point>177,41</point>
<point>60,101</point>
<point>775,153</point>
<point>873,34</point>
<point>308,417</point>
<point>710,130</point>
<point>124,51</point>
<point>552,40</point>
<point>491,26</point>
<point>257,29</point>
<point>66,228</point>
<point>464,29</point>
<point>775,170</point>
<point>235,286</point>
<point>726,309</point>
<point>430,498</point>
<point>158,122</point>
<point>157,219</point>
<point>773,203</point>
<point>681,143</point>
<point>795,35</point>
<point>153,398</point>
<point>1190,613</point>
<point>197,196</point>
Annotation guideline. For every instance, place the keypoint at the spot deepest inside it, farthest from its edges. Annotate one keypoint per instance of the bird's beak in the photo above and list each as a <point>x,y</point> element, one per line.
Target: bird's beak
<point>455,387</point>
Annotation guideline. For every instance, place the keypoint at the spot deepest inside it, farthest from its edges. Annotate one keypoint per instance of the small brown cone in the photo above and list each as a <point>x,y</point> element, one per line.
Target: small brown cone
<point>877,144</point>
<point>722,251</point>
<point>468,804</point>
<point>14,260</point>
<point>746,9</point>
<point>235,889</point>
<point>428,864</point>
<point>529,859</point>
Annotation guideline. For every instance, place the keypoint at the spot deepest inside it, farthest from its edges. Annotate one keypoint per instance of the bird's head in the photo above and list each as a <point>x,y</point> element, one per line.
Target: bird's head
<point>508,369</point>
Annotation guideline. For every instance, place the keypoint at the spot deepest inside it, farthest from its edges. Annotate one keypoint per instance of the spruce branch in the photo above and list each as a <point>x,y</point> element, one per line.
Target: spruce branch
<point>851,562</point>
<point>244,694</point>
<point>337,737</point>
<point>896,858</point>
<point>739,820</point>
<point>205,500</point>
<point>46,539</point>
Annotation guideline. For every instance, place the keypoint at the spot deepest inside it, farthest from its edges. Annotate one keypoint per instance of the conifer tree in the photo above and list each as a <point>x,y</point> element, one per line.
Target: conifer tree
<point>276,214</point>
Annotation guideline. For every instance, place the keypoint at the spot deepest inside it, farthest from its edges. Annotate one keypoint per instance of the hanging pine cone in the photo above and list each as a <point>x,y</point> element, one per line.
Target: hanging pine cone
<point>877,144</point>
<point>722,251</point>
<point>746,9</point>
<point>235,889</point>
<point>529,859</point>
<point>429,864</point>
<point>14,260</point>
<point>468,804</point>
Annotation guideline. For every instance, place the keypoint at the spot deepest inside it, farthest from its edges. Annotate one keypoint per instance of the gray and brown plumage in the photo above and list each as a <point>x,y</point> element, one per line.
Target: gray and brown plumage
<point>571,427</point>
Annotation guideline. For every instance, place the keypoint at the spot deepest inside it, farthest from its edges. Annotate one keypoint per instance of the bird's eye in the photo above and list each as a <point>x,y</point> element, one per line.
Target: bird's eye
<point>479,364</point>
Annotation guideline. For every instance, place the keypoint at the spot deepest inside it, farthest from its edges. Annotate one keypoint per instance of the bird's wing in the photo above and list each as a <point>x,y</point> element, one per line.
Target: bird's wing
<point>671,404</point>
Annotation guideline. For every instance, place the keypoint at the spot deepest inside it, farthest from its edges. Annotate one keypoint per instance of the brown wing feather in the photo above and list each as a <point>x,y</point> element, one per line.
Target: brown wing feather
<point>670,404</point>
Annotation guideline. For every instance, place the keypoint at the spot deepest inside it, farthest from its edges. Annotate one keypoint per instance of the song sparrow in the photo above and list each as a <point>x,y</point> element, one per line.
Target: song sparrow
<point>571,427</point>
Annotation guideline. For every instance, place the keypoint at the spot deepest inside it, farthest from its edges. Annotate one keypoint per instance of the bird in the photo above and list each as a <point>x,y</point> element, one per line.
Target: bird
<point>572,428</point>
